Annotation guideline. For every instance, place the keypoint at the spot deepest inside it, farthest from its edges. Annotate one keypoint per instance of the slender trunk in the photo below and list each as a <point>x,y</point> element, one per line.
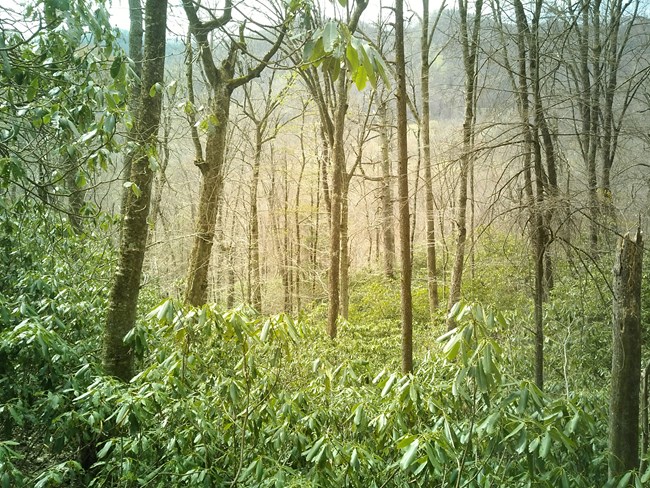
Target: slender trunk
<point>626,357</point>
<point>287,282</point>
<point>345,248</point>
<point>161,179</point>
<point>387,223</point>
<point>315,234</point>
<point>470,46</point>
<point>425,46</point>
<point>416,191</point>
<point>256,283</point>
<point>338,163</point>
<point>135,53</point>
<point>403,193</point>
<point>76,197</point>
<point>120,317</point>
<point>532,155</point>
<point>298,253</point>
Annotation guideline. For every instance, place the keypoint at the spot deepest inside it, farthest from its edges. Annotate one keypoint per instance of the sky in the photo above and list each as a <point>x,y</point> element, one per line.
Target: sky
<point>119,11</point>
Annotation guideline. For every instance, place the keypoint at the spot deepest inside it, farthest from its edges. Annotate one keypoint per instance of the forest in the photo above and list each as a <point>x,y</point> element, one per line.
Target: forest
<point>324,243</point>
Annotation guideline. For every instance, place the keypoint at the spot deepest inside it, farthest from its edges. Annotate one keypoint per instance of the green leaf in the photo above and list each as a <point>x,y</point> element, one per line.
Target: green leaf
<point>155,89</point>
<point>409,455</point>
<point>105,449</point>
<point>330,35</point>
<point>265,330</point>
<point>134,188</point>
<point>523,401</point>
<point>545,446</point>
<point>358,415</point>
<point>406,441</point>
<point>354,459</point>
<point>121,414</point>
<point>115,67</point>
<point>109,123</point>
<point>388,385</point>
<point>308,51</point>
<point>624,480</point>
<point>452,347</point>
<point>32,90</point>
<point>352,56</point>
<point>80,179</point>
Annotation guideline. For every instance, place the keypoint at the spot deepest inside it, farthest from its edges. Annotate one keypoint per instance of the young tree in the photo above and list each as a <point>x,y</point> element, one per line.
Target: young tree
<point>469,42</point>
<point>403,192</point>
<point>332,103</point>
<point>120,318</point>
<point>426,37</point>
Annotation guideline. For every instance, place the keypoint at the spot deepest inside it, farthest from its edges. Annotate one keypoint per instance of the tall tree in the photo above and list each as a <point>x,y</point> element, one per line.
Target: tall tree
<point>120,318</point>
<point>469,37</point>
<point>222,83</point>
<point>426,37</point>
<point>136,35</point>
<point>403,192</point>
<point>387,218</point>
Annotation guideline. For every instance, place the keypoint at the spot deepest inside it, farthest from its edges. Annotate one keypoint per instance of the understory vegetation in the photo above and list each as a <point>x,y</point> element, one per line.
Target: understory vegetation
<point>230,397</point>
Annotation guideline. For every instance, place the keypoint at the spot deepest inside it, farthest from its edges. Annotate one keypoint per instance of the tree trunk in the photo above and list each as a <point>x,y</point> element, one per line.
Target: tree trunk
<point>338,161</point>
<point>403,193</point>
<point>432,279</point>
<point>345,249</point>
<point>626,357</point>
<point>387,222</point>
<point>135,53</point>
<point>470,46</point>
<point>120,318</point>
<point>196,291</point>
<point>222,83</point>
<point>256,283</point>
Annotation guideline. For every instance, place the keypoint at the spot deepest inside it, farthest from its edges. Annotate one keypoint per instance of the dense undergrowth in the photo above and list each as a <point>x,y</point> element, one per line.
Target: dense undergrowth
<point>227,398</point>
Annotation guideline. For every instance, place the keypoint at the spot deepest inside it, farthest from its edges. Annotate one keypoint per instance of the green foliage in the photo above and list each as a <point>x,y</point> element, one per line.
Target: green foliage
<point>63,90</point>
<point>333,46</point>
<point>227,397</point>
<point>52,297</point>
<point>263,401</point>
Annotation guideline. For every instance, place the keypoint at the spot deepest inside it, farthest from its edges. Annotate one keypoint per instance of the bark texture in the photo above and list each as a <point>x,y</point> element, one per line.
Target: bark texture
<point>626,357</point>
<point>469,41</point>
<point>387,220</point>
<point>425,44</point>
<point>117,356</point>
<point>403,193</point>
<point>222,82</point>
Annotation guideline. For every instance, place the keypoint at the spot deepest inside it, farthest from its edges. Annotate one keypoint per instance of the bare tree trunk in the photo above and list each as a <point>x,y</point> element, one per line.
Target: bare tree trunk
<point>298,253</point>
<point>135,53</point>
<point>209,198</point>
<point>256,283</point>
<point>120,317</point>
<point>161,179</point>
<point>626,357</point>
<point>335,213</point>
<point>287,260</point>
<point>470,46</point>
<point>387,221</point>
<point>345,249</point>
<point>403,191</point>
<point>315,234</point>
<point>222,82</point>
<point>425,46</point>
